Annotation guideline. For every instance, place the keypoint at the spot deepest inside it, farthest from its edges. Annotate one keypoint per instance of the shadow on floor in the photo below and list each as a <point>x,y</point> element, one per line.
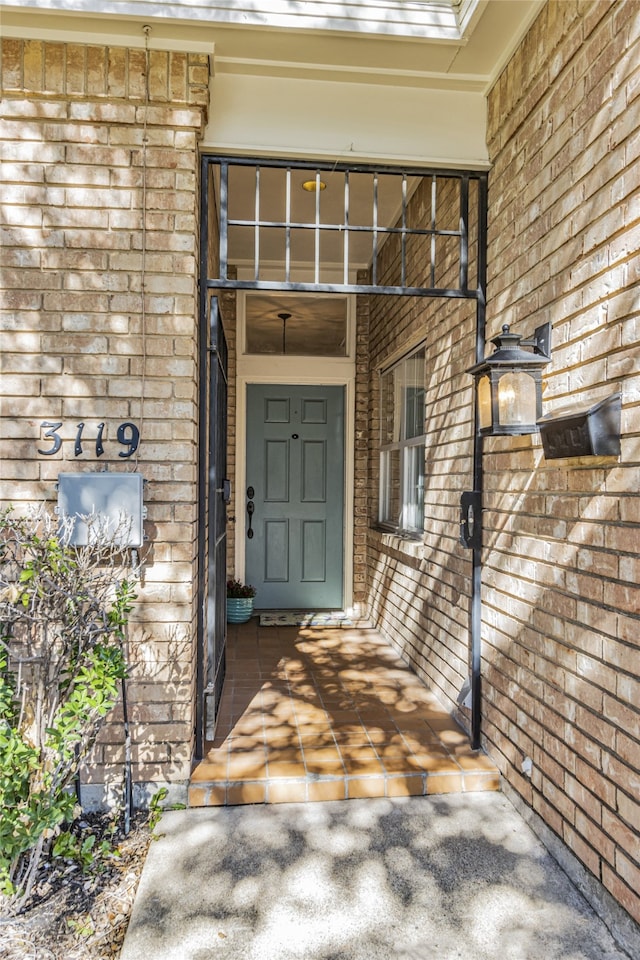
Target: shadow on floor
<point>424,878</point>
<point>326,713</point>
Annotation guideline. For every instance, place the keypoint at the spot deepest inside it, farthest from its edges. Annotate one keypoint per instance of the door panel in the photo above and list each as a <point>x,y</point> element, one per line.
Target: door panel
<point>314,472</point>
<point>276,552</point>
<point>276,475</point>
<point>295,465</point>
<point>276,410</point>
<point>313,550</point>
<point>314,411</point>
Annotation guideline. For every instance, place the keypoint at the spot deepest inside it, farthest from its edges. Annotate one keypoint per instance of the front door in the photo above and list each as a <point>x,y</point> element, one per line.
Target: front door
<point>294,496</point>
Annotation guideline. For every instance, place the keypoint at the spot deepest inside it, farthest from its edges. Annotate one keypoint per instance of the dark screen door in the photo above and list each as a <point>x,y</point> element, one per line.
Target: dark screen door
<point>217,496</point>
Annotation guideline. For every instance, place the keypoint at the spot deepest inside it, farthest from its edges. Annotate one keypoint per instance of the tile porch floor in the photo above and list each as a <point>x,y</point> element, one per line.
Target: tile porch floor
<point>317,713</point>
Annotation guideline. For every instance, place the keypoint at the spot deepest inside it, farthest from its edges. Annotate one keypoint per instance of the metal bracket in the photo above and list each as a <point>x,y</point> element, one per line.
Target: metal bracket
<point>540,341</point>
<point>470,519</point>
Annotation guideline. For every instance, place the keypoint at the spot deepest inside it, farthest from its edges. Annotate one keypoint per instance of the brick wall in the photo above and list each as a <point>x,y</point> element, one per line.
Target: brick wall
<point>561,602</point>
<point>561,598</point>
<point>419,590</point>
<point>361,453</point>
<point>100,183</point>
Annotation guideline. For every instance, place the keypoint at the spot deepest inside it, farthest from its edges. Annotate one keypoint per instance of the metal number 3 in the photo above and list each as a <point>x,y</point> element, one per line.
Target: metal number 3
<point>51,433</point>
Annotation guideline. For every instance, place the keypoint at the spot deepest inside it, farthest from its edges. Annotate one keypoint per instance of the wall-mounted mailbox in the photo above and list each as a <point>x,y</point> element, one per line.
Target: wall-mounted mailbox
<point>115,499</point>
<point>588,432</point>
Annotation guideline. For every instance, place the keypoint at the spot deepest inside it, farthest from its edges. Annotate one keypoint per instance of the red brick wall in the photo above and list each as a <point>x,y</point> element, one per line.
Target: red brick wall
<point>361,453</point>
<point>561,599</point>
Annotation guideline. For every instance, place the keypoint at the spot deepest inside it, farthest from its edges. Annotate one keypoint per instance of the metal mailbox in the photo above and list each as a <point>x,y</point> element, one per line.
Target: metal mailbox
<point>116,499</point>
<point>589,432</point>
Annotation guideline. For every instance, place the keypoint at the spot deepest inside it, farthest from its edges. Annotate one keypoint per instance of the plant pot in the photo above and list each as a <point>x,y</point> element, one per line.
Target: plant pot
<point>239,609</point>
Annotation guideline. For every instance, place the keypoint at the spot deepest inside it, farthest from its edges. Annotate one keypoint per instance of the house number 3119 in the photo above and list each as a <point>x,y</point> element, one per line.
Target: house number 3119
<point>128,436</point>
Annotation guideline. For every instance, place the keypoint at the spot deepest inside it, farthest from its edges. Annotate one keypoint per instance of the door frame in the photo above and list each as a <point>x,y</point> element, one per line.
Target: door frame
<point>299,371</point>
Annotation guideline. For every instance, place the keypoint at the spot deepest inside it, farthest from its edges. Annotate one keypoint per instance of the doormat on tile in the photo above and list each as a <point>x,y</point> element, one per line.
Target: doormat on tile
<point>294,619</point>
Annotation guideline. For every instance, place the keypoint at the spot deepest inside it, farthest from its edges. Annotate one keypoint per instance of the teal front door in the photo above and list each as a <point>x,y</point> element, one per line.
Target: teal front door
<point>294,528</point>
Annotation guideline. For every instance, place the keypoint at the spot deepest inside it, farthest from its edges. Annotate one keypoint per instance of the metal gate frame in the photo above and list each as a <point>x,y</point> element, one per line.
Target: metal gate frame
<point>213,495</point>
<point>462,291</point>
<point>346,228</point>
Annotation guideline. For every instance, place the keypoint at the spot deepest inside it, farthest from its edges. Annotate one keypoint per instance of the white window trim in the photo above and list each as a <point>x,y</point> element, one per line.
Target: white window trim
<point>402,446</point>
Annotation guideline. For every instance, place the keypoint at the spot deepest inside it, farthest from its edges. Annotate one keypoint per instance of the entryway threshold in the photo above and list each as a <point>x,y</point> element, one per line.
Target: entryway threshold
<point>319,713</point>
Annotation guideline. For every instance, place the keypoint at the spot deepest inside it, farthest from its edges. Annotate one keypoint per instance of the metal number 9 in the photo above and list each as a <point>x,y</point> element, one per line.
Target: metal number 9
<point>128,436</point>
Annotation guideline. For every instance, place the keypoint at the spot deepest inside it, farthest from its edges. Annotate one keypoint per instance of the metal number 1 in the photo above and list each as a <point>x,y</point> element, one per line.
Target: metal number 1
<point>99,447</point>
<point>77,449</point>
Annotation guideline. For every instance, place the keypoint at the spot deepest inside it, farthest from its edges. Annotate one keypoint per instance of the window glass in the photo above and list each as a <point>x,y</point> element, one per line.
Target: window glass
<point>413,396</point>
<point>402,436</point>
<point>387,408</point>
<point>391,500</point>
<point>413,492</point>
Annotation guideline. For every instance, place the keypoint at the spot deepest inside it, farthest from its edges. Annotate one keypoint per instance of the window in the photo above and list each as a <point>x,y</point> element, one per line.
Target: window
<point>402,439</point>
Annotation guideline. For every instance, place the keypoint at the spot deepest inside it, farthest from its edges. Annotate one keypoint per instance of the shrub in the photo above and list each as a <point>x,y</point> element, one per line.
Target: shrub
<point>63,619</point>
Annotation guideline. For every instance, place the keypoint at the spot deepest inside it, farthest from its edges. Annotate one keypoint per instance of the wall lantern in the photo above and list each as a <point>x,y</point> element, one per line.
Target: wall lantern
<point>509,383</point>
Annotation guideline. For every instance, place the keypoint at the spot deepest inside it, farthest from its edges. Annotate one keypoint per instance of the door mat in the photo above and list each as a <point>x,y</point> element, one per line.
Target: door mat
<point>301,619</point>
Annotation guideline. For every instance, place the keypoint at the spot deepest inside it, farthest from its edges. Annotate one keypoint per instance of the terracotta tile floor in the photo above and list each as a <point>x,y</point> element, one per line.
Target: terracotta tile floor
<point>320,713</point>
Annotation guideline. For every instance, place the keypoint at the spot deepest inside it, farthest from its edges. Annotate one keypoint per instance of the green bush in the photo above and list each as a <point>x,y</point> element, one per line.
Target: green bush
<point>63,620</point>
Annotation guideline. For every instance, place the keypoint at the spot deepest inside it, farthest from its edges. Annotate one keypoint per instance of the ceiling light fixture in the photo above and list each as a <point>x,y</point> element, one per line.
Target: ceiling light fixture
<point>312,186</point>
<point>284,317</point>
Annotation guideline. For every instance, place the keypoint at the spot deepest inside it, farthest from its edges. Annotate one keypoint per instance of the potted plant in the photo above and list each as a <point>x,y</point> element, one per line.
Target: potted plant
<point>239,601</point>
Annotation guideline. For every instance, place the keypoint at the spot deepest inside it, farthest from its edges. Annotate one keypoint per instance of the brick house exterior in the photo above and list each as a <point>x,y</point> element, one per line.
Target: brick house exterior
<point>560,566</point>
<point>74,333</point>
<point>100,325</point>
<point>562,648</point>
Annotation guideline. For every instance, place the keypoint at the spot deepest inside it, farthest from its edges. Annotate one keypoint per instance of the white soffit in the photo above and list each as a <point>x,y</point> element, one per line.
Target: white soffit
<point>267,116</point>
<point>55,28</point>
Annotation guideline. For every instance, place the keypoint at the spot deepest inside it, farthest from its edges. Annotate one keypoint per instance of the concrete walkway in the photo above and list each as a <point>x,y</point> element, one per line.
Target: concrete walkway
<point>458,877</point>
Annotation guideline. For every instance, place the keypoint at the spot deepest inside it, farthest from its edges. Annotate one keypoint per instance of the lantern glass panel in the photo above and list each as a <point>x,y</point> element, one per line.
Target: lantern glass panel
<point>484,403</point>
<point>516,399</point>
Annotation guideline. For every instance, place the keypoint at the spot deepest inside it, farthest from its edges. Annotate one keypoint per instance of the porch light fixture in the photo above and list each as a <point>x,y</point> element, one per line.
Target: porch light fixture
<point>509,383</point>
<point>284,317</point>
<point>312,186</point>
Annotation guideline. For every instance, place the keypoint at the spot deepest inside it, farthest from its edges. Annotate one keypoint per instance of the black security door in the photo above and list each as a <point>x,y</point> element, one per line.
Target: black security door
<point>214,494</point>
